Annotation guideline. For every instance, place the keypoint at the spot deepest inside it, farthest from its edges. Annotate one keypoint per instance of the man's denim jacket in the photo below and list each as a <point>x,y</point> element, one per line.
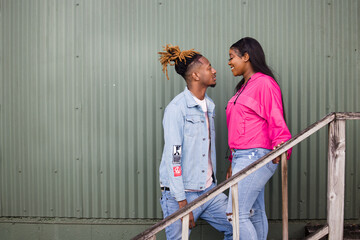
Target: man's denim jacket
<point>184,161</point>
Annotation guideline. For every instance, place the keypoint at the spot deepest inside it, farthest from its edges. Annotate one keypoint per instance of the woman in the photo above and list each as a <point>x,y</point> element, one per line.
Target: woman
<point>256,124</point>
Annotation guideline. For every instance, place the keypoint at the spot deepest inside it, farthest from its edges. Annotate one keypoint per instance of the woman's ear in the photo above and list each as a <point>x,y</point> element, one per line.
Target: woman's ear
<point>246,57</point>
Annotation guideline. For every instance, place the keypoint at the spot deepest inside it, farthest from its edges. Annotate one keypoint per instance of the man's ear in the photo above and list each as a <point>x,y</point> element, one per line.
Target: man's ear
<point>195,76</point>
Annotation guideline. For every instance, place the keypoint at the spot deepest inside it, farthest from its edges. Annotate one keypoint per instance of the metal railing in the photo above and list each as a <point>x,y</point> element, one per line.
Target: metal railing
<point>336,183</point>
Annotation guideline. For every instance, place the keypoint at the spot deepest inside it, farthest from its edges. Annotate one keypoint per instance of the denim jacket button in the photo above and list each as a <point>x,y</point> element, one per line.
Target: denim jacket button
<point>204,139</point>
<point>203,155</point>
<point>203,171</point>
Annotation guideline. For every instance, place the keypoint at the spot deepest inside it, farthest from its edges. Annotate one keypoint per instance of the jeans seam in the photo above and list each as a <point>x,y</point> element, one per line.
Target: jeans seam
<point>247,191</point>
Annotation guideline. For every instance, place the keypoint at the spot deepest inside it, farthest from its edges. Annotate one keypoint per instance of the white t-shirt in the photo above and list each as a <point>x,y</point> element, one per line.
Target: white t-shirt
<point>203,106</point>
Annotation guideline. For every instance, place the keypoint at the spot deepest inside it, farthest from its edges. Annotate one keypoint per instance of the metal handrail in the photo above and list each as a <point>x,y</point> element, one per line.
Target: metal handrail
<point>232,181</point>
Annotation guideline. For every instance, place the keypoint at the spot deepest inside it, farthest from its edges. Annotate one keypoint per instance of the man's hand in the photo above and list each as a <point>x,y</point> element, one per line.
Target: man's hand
<point>229,172</point>
<point>191,216</point>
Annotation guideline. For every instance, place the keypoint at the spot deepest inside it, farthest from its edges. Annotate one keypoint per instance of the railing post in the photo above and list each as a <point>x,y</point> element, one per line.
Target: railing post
<point>235,211</point>
<point>284,177</point>
<point>336,179</point>
<point>185,227</point>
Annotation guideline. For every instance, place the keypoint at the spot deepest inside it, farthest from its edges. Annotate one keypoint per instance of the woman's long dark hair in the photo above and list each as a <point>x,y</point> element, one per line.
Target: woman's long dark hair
<point>257,59</point>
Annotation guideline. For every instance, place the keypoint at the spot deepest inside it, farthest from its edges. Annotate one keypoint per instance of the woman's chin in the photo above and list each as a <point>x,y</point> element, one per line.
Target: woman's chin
<point>234,73</point>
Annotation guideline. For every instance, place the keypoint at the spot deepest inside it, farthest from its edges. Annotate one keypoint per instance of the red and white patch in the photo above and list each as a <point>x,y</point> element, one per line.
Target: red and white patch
<point>177,171</point>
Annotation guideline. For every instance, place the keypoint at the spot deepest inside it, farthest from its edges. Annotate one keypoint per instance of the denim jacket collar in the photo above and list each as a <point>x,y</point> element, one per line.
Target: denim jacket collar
<point>190,101</point>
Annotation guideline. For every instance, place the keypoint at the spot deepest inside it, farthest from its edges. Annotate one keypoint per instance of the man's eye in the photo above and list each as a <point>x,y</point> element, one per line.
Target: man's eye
<point>230,59</point>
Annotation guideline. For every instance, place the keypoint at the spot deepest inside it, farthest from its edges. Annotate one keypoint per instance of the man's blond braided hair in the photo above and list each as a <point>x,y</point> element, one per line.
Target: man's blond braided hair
<point>172,55</point>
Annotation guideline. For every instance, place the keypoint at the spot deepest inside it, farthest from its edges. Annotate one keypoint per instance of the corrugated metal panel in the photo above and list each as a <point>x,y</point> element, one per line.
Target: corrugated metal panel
<point>39,171</point>
<point>83,97</point>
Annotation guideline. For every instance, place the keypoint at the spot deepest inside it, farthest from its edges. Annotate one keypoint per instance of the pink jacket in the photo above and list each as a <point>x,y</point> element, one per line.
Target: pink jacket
<point>256,119</point>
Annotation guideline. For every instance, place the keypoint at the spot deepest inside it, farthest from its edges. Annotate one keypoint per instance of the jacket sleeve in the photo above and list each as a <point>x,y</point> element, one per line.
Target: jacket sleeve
<point>273,109</point>
<point>173,124</point>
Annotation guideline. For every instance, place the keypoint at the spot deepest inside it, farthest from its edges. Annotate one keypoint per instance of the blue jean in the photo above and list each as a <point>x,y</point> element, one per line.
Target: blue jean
<point>252,216</point>
<point>213,211</point>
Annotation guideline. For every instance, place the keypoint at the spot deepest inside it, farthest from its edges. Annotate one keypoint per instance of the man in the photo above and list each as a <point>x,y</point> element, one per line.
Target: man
<point>188,165</point>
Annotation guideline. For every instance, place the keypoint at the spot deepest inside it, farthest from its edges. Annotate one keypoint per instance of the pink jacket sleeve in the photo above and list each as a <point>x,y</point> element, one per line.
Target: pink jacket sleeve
<point>273,111</point>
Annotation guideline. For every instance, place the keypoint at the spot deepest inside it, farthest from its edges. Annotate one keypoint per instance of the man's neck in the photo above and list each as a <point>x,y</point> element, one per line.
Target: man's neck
<point>199,93</point>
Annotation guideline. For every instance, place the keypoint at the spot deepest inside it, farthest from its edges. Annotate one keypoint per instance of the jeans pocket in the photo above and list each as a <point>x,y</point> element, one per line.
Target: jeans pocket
<point>164,205</point>
<point>271,166</point>
<point>262,152</point>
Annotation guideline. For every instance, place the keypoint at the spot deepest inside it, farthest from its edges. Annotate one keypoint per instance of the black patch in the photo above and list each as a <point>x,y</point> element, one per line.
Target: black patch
<point>176,154</point>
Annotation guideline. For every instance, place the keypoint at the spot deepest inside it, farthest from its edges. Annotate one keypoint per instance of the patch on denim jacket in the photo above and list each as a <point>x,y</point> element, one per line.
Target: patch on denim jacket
<point>176,154</point>
<point>177,171</point>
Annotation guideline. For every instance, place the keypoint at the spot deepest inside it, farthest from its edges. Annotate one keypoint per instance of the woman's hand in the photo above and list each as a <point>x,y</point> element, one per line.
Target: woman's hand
<point>277,159</point>
<point>229,172</point>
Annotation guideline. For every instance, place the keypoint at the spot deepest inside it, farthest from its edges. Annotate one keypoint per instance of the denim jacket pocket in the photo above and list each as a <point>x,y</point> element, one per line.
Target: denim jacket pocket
<point>192,125</point>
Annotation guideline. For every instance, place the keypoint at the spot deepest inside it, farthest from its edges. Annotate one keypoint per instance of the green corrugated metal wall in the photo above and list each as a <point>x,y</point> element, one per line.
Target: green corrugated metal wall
<point>82,97</point>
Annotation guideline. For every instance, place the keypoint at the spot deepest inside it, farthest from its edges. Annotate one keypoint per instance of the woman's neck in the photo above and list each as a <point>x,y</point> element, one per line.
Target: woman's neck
<point>248,75</point>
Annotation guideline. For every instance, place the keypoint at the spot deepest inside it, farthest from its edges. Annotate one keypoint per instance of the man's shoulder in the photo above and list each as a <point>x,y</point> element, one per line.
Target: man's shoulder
<point>177,101</point>
<point>177,104</point>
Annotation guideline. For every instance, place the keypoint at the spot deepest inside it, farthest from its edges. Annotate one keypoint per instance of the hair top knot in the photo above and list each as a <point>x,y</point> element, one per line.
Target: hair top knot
<point>173,56</point>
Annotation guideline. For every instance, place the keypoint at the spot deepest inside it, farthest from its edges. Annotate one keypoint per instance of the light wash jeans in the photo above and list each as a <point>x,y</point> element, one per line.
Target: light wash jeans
<point>252,216</point>
<point>213,211</point>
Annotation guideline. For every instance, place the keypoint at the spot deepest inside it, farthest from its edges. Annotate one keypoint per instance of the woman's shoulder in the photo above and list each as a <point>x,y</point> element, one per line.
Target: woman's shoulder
<point>266,82</point>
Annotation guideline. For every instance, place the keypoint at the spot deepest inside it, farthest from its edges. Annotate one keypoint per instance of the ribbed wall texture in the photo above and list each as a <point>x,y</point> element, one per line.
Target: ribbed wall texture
<point>83,95</point>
